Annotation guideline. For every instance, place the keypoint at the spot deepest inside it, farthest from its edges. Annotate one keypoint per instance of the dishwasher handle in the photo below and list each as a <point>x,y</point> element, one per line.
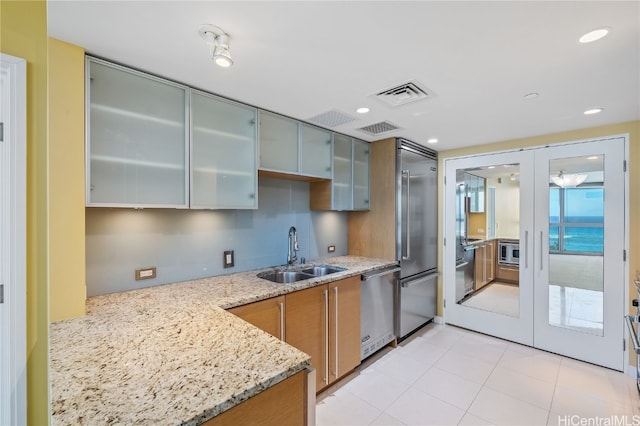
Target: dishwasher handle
<point>379,272</point>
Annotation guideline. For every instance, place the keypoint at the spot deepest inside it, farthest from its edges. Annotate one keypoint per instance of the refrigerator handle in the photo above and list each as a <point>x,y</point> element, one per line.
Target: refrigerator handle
<point>406,239</point>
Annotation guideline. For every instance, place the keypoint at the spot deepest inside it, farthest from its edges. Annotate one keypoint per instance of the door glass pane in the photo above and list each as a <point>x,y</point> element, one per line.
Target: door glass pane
<point>488,267</point>
<point>576,243</point>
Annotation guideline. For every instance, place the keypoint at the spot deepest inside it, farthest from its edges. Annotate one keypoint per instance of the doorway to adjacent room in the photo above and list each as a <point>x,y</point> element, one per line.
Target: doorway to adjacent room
<point>561,237</point>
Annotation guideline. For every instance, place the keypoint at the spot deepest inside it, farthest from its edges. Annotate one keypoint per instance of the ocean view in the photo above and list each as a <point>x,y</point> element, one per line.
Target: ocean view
<point>583,239</point>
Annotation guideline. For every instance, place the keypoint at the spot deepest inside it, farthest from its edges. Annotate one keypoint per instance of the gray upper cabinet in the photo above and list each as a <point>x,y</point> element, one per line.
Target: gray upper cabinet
<point>360,175</point>
<point>137,151</point>
<point>475,192</point>
<point>278,143</point>
<point>342,173</point>
<point>223,153</point>
<point>290,147</point>
<point>349,188</point>
<point>315,152</point>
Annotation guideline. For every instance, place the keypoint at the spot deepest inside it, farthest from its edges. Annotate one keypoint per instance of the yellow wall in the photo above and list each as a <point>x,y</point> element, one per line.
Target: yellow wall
<point>66,181</point>
<point>23,33</point>
<point>477,221</point>
<point>632,128</point>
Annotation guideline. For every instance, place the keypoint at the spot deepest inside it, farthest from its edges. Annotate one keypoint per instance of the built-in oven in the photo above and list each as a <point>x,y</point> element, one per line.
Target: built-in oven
<point>509,253</point>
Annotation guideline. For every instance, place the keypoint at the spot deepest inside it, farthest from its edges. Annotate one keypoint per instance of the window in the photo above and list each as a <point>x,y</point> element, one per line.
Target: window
<point>576,220</point>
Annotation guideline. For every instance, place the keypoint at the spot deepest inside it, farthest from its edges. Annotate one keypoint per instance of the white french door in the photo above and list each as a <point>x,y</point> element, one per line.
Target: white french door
<point>564,292</point>
<point>12,240</point>
<point>578,246</point>
<point>516,322</point>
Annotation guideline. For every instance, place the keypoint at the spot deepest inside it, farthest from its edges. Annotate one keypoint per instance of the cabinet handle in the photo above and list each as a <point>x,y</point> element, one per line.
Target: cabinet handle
<point>281,321</point>
<point>335,292</point>
<point>484,263</point>
<point>326,336</point>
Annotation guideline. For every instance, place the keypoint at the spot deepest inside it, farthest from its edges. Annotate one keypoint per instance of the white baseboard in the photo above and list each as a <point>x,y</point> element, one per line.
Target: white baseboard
<point>438,320</point>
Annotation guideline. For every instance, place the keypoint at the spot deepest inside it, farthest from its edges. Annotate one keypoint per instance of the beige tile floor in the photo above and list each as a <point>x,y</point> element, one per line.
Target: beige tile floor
<point>445,375</point>
<point>575,308</point>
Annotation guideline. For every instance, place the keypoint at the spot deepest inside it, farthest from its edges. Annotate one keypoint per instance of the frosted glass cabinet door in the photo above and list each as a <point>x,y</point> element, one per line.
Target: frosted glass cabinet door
<point>278,143</point>
<point>360,175</point>
<point>342,172</point>
<point>315,152</point>
<point>137,149</point>
<point>223,153</point>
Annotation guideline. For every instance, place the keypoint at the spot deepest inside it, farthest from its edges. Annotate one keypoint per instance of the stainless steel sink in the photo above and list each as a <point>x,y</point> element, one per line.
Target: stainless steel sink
<point>323,270</point>
<point>285,277</point>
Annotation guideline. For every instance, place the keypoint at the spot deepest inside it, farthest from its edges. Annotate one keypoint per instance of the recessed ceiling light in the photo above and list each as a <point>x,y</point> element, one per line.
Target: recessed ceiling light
<point>594,35</point>
<point>491,167</point>
<point>593,111</point>
<point>363,110</point>
<point>593,157</point>
<point>531,95</point>
<point>432,140</point>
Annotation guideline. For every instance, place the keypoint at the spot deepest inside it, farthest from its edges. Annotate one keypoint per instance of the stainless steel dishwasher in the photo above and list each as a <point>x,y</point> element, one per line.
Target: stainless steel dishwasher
<point>376,309</point>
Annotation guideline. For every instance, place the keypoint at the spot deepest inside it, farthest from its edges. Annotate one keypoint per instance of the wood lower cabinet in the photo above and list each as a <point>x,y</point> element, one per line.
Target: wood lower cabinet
<point>485,263</point>
<point>267,315</point>
<point>344,326</point>
<point>508,273</point>
<point>307,328</point>
<point>281,404</point>
<point>324,322</point>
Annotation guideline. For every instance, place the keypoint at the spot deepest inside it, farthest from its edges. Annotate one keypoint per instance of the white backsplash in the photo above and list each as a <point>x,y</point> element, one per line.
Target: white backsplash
<point>189,244</point>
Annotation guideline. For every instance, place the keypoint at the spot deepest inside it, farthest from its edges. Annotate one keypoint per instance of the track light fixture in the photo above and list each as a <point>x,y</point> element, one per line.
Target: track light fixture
<point>218,42</point>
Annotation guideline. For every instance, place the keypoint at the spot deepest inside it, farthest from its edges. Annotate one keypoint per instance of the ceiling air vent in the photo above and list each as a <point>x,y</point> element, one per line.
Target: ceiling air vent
<point>332,118</point>
<point>408,92</point>
<point>379,128</point>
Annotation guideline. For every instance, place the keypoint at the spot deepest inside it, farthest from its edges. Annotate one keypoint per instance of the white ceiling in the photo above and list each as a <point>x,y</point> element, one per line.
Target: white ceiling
<point>302,59</point>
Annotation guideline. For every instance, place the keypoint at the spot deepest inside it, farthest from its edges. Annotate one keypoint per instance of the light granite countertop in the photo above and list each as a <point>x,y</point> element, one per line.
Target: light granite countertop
<point>171,354</point>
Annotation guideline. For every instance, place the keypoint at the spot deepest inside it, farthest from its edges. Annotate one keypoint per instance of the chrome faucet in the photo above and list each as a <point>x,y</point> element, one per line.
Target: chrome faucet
<point>292,254</point>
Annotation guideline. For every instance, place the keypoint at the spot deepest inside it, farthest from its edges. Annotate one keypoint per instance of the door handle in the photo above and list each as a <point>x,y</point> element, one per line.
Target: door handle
<point>526,249</point>
<point>541,266</point>
<point>413,282</point>
<point>407,238</point>
<point>281,321</point>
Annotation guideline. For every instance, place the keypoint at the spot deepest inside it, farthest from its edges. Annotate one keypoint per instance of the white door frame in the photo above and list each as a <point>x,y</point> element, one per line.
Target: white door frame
<point>13,318</point>
<point>449,234</point>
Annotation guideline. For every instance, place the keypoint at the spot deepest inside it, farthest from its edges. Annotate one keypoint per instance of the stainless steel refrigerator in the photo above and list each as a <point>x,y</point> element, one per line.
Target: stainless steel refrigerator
<point>416,235</point>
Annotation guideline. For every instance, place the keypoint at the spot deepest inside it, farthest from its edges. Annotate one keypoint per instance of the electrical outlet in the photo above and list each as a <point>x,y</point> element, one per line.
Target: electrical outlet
<point>228,260</point>
<point>145,273</point>
<point>480,230</point>
<point>331,248</point>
